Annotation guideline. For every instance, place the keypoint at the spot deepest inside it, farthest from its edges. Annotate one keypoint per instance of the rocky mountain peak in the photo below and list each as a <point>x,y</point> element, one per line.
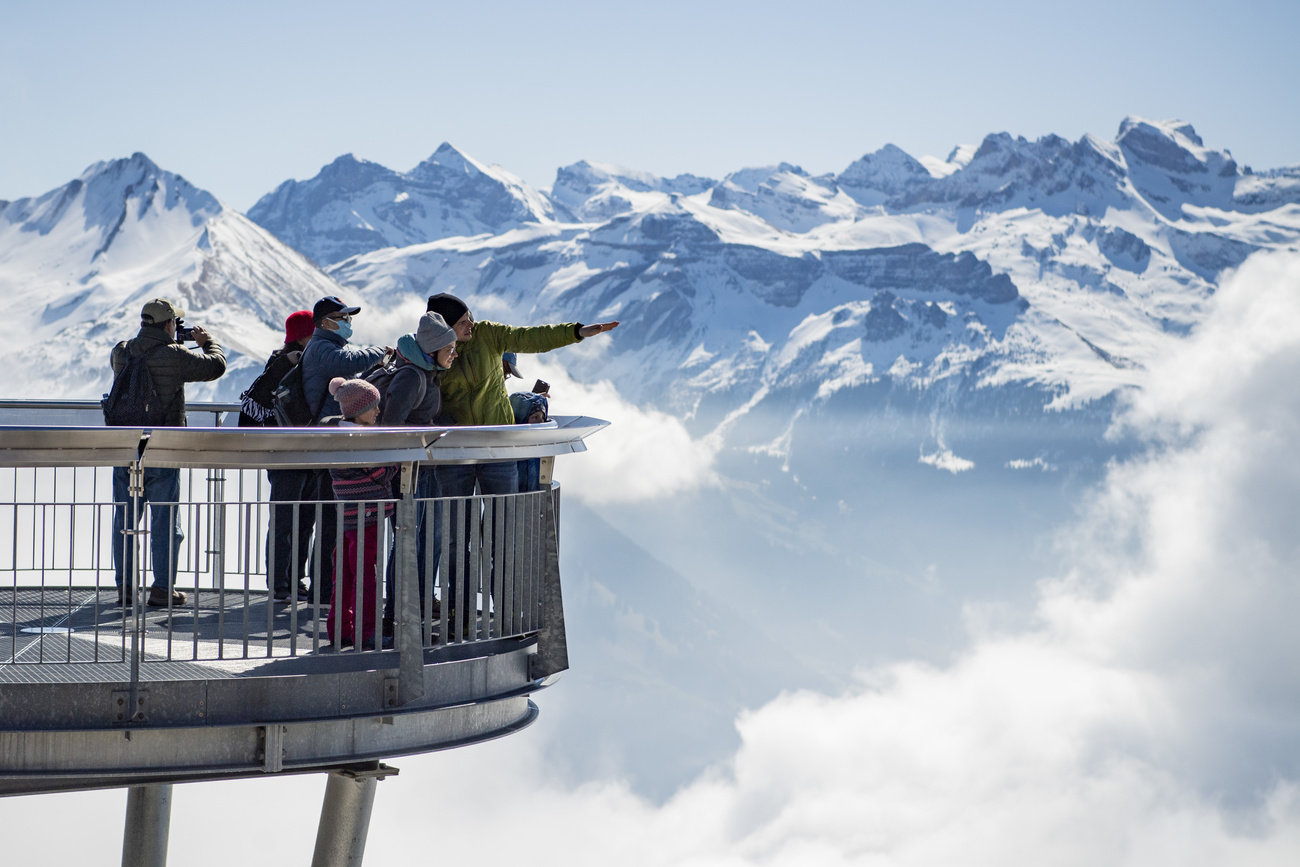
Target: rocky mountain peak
<point>888,172</point>
<point>1170,166</point>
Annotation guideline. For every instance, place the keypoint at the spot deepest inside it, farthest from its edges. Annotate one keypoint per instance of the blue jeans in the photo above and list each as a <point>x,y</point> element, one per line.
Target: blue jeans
<point>161,485</point>
<point>459,480</point>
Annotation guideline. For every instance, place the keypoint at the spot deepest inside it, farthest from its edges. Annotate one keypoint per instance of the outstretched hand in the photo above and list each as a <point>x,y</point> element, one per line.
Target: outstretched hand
<point>600,328</point>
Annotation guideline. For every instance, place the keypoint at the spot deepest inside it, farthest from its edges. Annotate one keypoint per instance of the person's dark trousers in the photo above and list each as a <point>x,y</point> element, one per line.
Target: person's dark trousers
<point>530,473</point>
<point>460,480</point>
<point>162,487</point>
<point>426,488</point>
<point>320,487</point>
<point>282,571</point>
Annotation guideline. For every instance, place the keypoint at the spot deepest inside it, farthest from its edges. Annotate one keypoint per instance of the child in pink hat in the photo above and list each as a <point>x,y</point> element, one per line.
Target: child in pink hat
<point>367,496</point>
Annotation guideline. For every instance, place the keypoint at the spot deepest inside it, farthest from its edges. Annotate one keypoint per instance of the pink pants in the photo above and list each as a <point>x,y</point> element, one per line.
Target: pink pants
<point>341,621</point>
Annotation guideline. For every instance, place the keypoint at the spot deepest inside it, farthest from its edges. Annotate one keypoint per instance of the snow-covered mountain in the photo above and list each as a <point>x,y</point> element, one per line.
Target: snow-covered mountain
<point>595,192</point>
<point>1014,277</point>
<point>353,206</point>
<point>78,263</point>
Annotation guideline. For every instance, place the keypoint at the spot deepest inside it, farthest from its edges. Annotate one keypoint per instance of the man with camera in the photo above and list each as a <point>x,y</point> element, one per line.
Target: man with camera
<point>161,344</point>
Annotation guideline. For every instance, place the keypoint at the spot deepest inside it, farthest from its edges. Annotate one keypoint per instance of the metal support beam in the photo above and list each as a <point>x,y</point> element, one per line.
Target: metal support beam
<point>345,816</point>
<point>148,822</point>
<point>552,655</point>
<point>410,679</point>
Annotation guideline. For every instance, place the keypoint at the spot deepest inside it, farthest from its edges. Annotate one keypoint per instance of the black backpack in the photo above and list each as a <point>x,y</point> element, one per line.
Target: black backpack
<point>133,401</point>
<point>257,403</point>
<point>380,377</point>
<point>290,401</point>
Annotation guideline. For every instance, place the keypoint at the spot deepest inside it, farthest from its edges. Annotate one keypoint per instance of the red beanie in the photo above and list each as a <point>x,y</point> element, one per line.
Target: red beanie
<point>298,326</point>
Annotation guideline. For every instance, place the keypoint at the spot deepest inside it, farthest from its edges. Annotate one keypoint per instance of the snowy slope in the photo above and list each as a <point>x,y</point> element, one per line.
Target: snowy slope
<point>1047,267</point>
<point>590,192</point>
<point>353,206</point>
<point>78,263</point>
<point>1014,277</point>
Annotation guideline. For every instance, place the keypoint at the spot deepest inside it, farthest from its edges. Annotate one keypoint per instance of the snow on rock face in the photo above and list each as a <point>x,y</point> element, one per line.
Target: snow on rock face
<point>595,192</point>
<point>1022,268</point>
<point>882,175</point>
<point>1017,274</point>
<point>1170,166</point>
<point>785,197</point>
<point>353,206</point>
<point>1051,173</point>
<point>80,261</point>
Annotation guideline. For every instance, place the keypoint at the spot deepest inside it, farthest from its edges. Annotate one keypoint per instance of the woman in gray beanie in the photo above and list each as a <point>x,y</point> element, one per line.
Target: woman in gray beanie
<point>412,396</point>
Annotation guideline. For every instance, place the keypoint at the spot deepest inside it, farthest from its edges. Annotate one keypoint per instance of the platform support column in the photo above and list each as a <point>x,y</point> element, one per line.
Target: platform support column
<point>345,816</point>
<point>148,821</point>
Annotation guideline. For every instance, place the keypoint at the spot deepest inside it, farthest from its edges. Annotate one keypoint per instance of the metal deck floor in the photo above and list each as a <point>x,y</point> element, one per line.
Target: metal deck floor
<point>224,634</point>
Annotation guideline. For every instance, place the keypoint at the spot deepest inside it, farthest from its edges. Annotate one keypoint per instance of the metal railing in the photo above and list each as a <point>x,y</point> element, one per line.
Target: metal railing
<point>448,570</point>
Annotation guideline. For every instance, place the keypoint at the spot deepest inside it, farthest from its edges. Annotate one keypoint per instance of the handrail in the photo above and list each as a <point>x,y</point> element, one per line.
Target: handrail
<point>263,448</point>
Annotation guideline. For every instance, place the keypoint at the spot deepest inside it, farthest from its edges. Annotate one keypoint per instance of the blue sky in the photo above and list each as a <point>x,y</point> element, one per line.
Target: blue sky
<point>241,96</point>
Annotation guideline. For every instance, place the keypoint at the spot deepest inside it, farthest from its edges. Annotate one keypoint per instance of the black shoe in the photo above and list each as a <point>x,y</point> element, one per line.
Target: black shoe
<point>159,597</point>
<point>124,596</point>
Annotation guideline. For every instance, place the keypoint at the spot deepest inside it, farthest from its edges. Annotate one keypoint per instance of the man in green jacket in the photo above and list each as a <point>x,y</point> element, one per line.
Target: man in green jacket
<point>474,389</point>
<point>474,392</point>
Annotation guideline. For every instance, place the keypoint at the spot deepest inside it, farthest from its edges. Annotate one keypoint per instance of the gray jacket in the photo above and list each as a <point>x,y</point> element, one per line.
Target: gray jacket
<point>171,367</point>
<point>328,355</point>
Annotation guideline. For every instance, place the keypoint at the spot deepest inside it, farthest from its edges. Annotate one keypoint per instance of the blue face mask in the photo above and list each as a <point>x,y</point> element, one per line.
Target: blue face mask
<point>344,329</point>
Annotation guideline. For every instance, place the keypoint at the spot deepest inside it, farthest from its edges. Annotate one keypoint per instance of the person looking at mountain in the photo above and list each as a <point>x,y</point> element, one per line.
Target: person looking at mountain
<point>474,393</point>
<point>474,388</point>
<point>411,395</point>
<point>287,485</point>
<point>326,357</point>
<point>170,366</point>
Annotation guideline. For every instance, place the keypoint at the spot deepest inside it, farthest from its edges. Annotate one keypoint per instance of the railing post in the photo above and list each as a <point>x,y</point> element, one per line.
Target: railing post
<point>217,531</point>
<point>552,654</point>
<point>135,492</point>
<point>410,646</point>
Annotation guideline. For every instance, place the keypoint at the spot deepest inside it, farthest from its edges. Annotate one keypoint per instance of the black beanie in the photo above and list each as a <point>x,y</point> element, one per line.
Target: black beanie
<point>448,306</point>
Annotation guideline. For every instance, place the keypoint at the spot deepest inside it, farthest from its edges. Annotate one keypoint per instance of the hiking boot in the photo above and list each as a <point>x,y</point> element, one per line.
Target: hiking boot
<point>285,596</point>
<point>159,597</point>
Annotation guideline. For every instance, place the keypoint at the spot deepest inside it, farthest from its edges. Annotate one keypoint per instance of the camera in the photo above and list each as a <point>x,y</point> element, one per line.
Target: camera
<point>183,332</point>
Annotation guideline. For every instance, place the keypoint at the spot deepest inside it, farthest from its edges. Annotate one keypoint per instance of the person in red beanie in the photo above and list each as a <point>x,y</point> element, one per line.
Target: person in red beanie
<point>256,410</point>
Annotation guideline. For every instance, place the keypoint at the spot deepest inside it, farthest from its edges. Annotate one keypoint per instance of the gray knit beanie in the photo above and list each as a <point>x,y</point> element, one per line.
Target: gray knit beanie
<point>433,333</point>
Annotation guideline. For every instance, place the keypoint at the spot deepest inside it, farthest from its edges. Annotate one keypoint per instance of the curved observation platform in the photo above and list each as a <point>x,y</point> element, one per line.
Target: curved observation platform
<point>99,688</point>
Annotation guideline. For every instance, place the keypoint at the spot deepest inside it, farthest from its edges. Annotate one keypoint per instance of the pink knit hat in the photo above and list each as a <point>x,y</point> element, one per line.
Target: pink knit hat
<point>355,396</point>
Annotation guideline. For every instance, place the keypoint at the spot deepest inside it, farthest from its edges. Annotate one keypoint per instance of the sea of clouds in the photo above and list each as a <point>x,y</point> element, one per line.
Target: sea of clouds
<point>1149,715</point>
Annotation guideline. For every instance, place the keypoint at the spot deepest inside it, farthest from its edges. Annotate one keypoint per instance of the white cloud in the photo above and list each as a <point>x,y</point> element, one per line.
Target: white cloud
<point>1150,717</point>
<point>944,459</point>
<point>644,454</point>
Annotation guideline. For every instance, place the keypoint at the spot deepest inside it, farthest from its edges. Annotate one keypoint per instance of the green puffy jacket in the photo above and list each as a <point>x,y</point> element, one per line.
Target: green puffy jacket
<point>474,387</point>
